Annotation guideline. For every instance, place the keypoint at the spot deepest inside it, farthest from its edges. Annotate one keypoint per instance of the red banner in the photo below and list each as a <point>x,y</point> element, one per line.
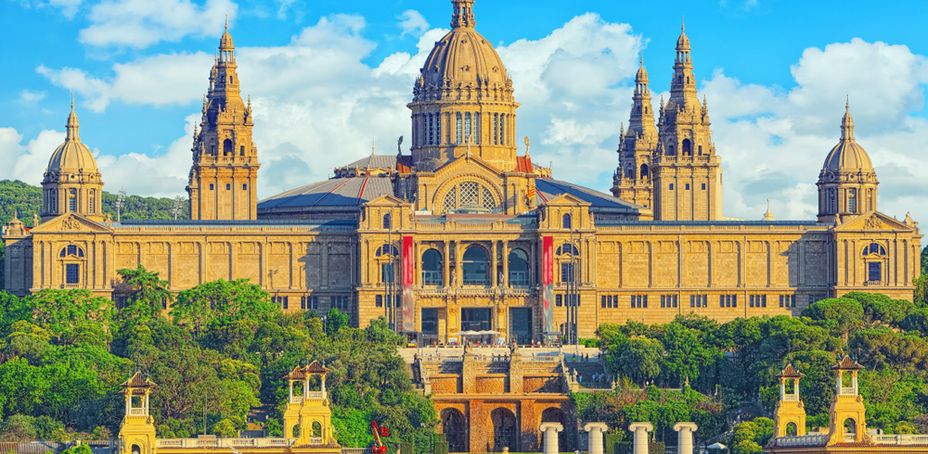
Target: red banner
<point>547,283</point>
<point>408,317</point>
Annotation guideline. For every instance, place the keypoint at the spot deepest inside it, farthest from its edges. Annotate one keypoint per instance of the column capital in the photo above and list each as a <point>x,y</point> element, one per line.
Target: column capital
<point>645,426</point>
<point>555,426</point>
<point>600,426</point>
<point>690,426</point>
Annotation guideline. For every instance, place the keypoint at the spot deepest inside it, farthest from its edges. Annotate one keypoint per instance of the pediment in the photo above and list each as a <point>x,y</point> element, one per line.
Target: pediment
<point>566,199</point>
<point>873,222</point>
<point>70,223</point>
<point>468,164</point>
<point>386,200</point>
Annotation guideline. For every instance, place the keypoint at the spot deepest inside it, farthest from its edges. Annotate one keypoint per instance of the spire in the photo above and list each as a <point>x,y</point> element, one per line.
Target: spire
<point>72,126</point>
<point>847,123</point>
<point>463,14</point>
<point>641,78</point>
<point>683,42</point>
<point>226,45</point>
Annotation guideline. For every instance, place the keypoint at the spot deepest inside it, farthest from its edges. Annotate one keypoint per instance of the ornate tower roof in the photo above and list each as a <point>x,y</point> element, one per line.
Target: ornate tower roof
<point>848,156</point>
<point>463,59</point>
<point>225,42</point>
<point>72,156</point>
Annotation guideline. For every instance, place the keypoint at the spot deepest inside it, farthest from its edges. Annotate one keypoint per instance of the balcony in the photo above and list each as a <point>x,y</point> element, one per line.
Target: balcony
<point>213,442</point>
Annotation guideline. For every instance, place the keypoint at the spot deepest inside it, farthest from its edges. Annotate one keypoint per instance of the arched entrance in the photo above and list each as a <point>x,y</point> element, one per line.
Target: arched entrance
<point>454,427</point>
<point>565,439</point>
<point>505,430</point>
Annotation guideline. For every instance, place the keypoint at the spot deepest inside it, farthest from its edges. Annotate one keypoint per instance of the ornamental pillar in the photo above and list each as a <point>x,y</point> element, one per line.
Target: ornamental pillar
<point>596,431</point>
<point>550,431</point>
<point>685,437</point>
<point>641,429</point>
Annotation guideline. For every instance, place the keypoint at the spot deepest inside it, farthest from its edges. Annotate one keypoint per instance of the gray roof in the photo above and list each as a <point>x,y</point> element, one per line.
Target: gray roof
<point>333,193</point>
<point>374,161</point>
<point>549,188</point>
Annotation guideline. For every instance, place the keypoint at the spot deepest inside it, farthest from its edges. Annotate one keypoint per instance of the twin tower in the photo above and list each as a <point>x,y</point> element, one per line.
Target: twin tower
<point>671,168</point>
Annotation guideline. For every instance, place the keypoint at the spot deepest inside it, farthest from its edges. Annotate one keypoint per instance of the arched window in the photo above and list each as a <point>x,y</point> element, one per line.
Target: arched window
<point>502,129</point>
<point>566,221</point>
<point>387,250</point>
<point>850,427</point>
<point>227,147</point>
<point>791,429</point>
<point>496,129</point>
<point>699,150</point>
<point>317,429</point>
<point>832,200</point>
<point>567,249</point>
<point>852,200</point>
<point>71,251</point>
<point>469,196</point>
<point>468,129</point>
<point>874,248</point>
<point>241,150</point>
<point>430,127</point>
<point>136,449</point>
<point>476,266</point>
<point>687,147</point>
<point>432,268</point>
<point>518,268</point>
<point>387,221</point>
<point>477,128</point>
<point>460,129</point>
<point>645,172</point>
<point>671,151</point>
<point>72,200</point>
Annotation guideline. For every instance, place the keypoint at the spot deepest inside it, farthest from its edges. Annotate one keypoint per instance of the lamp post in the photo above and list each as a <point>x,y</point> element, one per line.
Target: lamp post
<point>573,291</point>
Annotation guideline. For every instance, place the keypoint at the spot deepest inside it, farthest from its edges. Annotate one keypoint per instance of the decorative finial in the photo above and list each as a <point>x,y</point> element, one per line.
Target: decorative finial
<point>682,24</point>
<point>399,146</point>
<point>227,22</point>
<point>847,103</point>
<point>768,216</point>
<point>847,123</point>
<point>528,146</point>
<point>72,126</point>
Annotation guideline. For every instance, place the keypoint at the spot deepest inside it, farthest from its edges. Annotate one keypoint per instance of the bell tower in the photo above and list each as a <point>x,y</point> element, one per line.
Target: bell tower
<point>687,175</point>
<point>632,179</point>
<point>224,175</point>
<point>790,414</point>
<point>137,431</point>
<point>308,416</point>
<point>848,413</point>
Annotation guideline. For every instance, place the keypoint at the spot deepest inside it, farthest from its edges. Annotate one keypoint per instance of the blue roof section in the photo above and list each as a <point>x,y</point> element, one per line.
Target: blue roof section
<point>333,193</point>
<point>598,200</point>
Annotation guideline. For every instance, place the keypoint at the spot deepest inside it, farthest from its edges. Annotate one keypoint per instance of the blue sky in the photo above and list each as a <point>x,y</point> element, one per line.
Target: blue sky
<point>336,74</point>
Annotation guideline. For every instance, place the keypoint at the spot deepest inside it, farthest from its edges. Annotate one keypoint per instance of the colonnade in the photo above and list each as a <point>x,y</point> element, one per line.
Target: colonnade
<point>596,430</point>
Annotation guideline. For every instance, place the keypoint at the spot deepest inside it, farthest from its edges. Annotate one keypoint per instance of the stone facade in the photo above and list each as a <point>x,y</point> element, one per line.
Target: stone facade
<point>450,240</point>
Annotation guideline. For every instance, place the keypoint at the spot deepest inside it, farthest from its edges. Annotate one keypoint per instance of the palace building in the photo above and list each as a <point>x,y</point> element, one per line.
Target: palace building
<point>464,235</point>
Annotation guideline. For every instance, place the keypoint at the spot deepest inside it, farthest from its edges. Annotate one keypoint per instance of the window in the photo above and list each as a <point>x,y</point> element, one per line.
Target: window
<point>703,186</point>
<point>687,147</point>
<point>387,275</point>
<point>644,172</point>
<point>874,272</point>
<point>341,302</point>
<point>609,301</point>
<point>430,126</point>
<point>432,268</point>
<point>71,251</point>
<point>468,130</point>
<point>477,128</point>
<point>437,129</point>
<point>241,150</point>
<point>639,301</point>
<point>558,300</point>
<point>92,201</point>
<point>852,200</point>
<point>671,186</point>
<point>310,302</point>
<point>72,274</point>
<point>567,273</point>
<point>518,268</point>
<point>469,197</point>
<point>757,301</point>
<point>502,129</point>
<point>874,248</point>
<point>496,129</point>
<point>283,301</point>
<point>699,301</point>
<point>832,200</point>
<point>212,187</point>
<point>387,221</point>
<point>430,321</point>
<point>244,186</point>
<point>476,319</point>
<point>378,300</point>
<point>787,300</point>
<point>728,300</point>
<point>566,221</point>
<point>687,186</point>
<point>459,129</point>
<point>668,301</point>
<point>72,200</point>
<point>227,147</point>
<point>476,266</point>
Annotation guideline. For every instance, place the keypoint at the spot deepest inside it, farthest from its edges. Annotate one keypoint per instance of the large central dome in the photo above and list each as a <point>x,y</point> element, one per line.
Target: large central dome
<point>463,102</point>
<point>464,59</point>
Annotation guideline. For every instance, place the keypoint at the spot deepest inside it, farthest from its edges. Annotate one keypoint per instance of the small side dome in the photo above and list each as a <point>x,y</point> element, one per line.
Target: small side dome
<point>848,156</point>
<point>225,43</point>
<point>72,156</point>
<point>683,42</point>
<point>641,76</point>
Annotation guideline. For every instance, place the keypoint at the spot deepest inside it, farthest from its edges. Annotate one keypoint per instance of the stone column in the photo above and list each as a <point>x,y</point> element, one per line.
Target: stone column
<point>549,432</point>
<point>596,431</point>
<point>641,429</point>
<point>685,437</point>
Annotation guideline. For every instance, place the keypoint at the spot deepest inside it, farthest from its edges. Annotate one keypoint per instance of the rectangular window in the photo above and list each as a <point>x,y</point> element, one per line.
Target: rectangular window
<point>567,273</point>
<point>874,272</point>
<point>212,187</point>
<point>757,301</point>
<point>91,201</point>
<point>852,200</point>
<point>787,300</point>
<point>687,186</point>
<point>283,301</point>
<point>430,321</point>
<point>728,300</point>
<point>668,301</point>
<point>703,186</point>
<point>386,273</point>
<point>244,186</point>
<point>72,200</point>
<point>228,187</point>
<point>639,301</point>
<point>671,186</point>
<point>699,300</point>
<point>72,274</point>
<point>558,300</point>
<point>602,302</point>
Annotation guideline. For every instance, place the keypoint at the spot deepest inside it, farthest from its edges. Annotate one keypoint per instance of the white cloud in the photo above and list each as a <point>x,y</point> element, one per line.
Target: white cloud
<point>319,103</point>
<point>68,8</point>
<point>31,97</point>
<point>412,23</point>
<point>142,23</point>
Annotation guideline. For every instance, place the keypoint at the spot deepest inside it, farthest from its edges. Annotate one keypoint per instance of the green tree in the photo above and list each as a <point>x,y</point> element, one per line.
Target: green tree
<point>840,314</point>
<point>638,359</point>
<point>144,288</point>
<point>222,303</point>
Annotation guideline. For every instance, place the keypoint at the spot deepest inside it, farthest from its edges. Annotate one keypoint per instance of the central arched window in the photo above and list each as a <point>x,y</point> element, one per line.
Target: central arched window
<point>518,268</point>
<point>469,197</point>
<point>566,221</point>
<point>874,248</point>
<point>227,147</point>
<point>476,266</point>
<point>644,172</point>
<point>432,268</point>
<point>687,147</point>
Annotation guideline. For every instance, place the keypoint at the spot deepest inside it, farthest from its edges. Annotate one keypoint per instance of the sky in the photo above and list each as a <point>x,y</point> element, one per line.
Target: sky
<point>329,79</point>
